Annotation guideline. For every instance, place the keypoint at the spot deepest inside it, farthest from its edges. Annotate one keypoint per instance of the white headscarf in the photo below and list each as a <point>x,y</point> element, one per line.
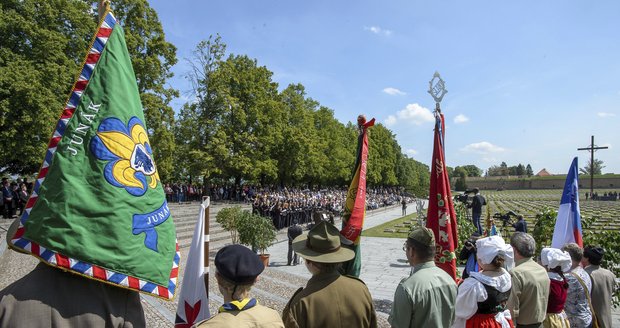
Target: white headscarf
<point>553,257</point>
<point>490,247</point>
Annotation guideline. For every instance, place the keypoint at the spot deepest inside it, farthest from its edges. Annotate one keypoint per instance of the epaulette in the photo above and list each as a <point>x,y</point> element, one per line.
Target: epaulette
<point>356,278</point>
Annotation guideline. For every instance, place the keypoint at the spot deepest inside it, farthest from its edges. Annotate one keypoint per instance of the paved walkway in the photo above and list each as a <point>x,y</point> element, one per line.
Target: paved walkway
<point>383,261</point>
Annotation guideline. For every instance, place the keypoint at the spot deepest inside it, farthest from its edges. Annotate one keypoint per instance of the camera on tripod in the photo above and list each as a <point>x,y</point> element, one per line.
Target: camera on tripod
<point>506,218</point>
<point>464,197</point>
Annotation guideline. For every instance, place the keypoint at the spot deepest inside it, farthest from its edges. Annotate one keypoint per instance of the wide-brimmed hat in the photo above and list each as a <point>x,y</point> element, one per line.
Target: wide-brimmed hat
<point>322,244</point>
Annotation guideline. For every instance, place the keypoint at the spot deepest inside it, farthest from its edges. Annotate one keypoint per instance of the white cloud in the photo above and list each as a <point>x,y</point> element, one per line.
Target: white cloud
<point>411,152</point>
<point>483,147</point>
<point>605,114</point>
<point>390,120</point>
<point>461,119</point>
<point>393,92</point>
<point>378,30</point>
<point>413,113</point>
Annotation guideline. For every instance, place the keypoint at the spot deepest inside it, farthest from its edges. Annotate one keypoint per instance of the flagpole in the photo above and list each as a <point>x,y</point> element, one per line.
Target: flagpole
<point>206,199</point>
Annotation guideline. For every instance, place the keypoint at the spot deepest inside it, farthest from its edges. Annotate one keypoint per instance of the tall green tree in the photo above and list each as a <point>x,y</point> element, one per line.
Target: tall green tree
<point>471,170</point>
<point>152,58</point>
<point>199,141</point>
<point>596,167</point>
<point>42,45</point>
<point>339,146</point>
<point>383,157</point>
<point>528,170</point>
<point>299,155</point>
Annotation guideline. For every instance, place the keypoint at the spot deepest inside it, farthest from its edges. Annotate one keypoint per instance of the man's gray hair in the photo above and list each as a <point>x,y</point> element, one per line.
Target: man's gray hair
<point>523,243</point>
<point>575,252</point>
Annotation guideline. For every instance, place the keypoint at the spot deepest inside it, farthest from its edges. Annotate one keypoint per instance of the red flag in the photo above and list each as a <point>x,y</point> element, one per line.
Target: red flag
<point>441,215</point>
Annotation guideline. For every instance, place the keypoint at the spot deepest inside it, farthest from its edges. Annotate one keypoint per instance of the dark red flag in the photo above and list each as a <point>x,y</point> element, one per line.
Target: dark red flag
<point>441,217</point>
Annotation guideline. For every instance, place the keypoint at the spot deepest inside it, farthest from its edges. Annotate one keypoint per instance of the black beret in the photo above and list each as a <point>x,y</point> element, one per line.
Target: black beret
<point>238,264</point>
<point>594,253</point>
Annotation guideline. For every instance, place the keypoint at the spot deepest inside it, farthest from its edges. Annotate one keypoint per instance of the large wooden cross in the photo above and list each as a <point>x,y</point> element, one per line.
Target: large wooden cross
<point>592,148</point>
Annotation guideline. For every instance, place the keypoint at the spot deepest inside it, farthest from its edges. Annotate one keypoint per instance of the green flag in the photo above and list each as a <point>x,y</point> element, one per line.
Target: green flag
<point>98,208</point>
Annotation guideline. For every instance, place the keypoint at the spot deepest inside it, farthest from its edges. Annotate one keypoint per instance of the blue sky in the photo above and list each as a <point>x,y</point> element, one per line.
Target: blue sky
<point>528,81</point>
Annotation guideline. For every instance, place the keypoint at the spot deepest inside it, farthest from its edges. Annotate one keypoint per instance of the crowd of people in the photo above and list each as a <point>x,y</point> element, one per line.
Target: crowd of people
<point>613,196</point>
<point>14,197</point>
<point>508,288</point>
<point>287,205</point>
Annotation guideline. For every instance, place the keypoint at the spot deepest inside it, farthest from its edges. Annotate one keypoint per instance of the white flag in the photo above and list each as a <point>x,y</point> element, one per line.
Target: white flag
<point>193,303</point>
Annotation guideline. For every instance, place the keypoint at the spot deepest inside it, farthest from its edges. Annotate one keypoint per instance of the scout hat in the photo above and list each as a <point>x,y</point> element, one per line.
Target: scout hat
<point>238,264</point>
<point>423,235</point>
<point>322,244</point>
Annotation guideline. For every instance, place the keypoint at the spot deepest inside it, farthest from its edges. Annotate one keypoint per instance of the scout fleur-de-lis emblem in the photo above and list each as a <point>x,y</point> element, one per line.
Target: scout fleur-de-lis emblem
<point>128,154</point>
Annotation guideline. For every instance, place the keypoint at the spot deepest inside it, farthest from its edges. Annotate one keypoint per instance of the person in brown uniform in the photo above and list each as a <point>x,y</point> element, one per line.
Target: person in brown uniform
<point>329,299</point>
<point>237,271</point>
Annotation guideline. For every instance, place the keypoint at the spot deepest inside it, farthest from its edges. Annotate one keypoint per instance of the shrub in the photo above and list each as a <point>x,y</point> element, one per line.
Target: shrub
<point>229,218</point>
<point>256,231</point>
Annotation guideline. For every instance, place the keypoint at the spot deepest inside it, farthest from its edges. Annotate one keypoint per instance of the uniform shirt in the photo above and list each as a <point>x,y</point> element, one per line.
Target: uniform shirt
<point>50,297</point>
<point>331,300</point>
<point>425,299</point>
<point>530,292</point>
<point>603,287</point>
<point>257,316</point>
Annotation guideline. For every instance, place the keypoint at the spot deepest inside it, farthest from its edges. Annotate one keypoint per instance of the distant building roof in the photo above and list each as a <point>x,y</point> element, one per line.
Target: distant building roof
<point>543,173</point>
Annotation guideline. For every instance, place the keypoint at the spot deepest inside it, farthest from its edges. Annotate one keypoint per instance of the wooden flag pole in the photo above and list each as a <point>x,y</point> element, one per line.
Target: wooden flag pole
<point>206,244</point>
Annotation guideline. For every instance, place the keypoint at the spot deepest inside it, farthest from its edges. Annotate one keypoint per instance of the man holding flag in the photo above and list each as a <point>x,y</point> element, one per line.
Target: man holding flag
<point>97,216</point>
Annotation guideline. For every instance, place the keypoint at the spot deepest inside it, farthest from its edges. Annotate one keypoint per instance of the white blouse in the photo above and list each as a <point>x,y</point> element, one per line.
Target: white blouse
<point>471,292</point>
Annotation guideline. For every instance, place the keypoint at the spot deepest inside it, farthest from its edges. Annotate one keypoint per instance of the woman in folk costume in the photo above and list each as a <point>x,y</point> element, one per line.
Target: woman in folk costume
<point>481,299</point>
<point>556,262</point>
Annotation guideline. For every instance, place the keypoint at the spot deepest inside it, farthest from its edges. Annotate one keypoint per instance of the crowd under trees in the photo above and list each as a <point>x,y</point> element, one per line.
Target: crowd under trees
<point>238,127</point>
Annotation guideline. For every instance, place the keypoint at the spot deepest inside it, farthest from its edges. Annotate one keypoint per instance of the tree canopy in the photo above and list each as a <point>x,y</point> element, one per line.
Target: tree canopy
<point>239,125</point>
<point>43,44</point>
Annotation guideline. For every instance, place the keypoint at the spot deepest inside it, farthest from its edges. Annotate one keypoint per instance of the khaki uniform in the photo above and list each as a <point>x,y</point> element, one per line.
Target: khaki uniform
<point>425,299</point>
<point>331,300</point>
<point>50,297</point>
<point>603,287</point>
<point>530,292</point>
<point>257,316</point>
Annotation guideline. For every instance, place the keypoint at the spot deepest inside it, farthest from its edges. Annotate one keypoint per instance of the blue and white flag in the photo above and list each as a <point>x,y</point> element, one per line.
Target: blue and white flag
<point>568,223</point>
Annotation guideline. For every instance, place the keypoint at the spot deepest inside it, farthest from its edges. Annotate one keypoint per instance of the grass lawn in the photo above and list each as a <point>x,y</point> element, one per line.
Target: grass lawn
<point>378,231</point>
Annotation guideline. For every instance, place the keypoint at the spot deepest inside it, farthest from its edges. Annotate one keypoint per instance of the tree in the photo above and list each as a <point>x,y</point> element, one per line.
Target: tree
<point>197,138</point>
<point>471,170</point>
<point>528,170</point>
<point>520,170</point>
<point>597,168</point>
<point>152,58</point>
<point>42,45</point>
<point>461,183</point>
<point>383,156</point>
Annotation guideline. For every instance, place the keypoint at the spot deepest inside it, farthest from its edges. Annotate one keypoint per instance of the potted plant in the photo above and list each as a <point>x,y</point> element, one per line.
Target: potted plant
<point>229,219</point>
<point>257,232</point>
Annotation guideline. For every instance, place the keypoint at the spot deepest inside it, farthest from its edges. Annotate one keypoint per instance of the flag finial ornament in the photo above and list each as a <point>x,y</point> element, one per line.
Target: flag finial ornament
<point>437,88</point>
